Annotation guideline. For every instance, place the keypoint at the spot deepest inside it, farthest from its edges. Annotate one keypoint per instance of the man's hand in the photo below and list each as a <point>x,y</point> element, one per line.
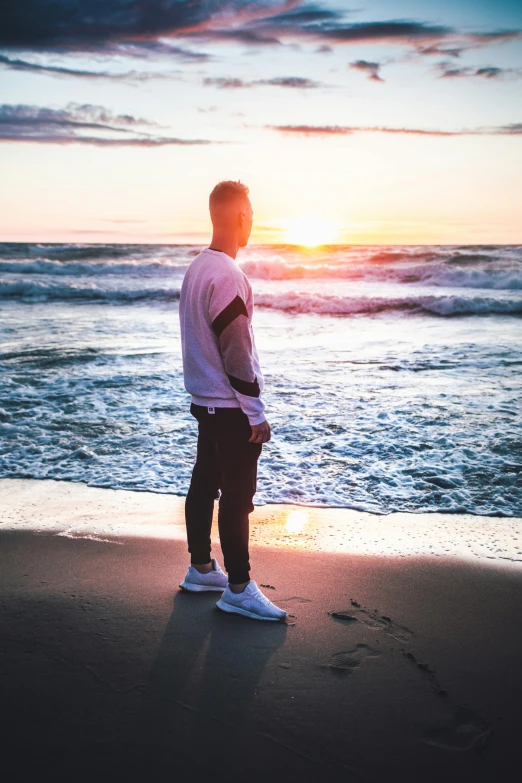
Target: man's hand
<point>260,432</point>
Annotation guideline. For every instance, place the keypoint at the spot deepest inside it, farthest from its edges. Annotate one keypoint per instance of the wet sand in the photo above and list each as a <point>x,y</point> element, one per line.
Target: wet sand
<point>75,510</point>
<point>404,666</point>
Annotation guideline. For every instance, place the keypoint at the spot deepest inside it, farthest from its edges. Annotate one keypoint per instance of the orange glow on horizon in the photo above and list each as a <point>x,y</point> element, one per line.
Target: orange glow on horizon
<point>311,232</point>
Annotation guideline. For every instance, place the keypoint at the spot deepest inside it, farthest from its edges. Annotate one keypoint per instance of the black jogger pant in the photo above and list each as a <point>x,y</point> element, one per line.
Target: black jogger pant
<point>225,461</point>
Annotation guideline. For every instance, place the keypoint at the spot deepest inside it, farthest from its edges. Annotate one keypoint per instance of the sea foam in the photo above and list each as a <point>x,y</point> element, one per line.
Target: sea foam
<point>392,375</point>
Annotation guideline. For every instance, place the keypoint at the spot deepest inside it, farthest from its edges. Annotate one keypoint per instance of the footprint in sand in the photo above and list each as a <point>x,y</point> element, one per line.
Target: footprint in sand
<point>427,672</point>
<point>346,661</point>
<point>469,731</point>
<point>296,598</point>
<point>374,620</point>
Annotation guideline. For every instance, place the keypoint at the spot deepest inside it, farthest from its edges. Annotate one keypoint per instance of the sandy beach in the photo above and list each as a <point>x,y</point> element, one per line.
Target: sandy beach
<point>399,664</point>
<point>267,254</point>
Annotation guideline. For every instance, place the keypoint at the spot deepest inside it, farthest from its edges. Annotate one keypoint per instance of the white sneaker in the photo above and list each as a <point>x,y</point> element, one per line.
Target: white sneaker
<point>251,602</point>
<point>197,582</point>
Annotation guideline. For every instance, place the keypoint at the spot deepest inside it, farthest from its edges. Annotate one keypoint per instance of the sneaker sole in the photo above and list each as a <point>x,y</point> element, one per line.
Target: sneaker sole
<point>237,610</point>
<point>193,588</point>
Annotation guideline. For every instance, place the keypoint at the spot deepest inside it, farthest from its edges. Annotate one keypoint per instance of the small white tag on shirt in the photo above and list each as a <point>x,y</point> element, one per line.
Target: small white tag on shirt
<point>211,410</point>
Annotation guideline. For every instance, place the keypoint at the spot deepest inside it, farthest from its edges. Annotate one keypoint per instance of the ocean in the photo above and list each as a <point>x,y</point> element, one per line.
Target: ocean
<point>392,374</point>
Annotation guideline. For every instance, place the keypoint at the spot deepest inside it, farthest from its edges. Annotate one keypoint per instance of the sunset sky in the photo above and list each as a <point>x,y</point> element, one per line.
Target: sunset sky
<point>378,122</point>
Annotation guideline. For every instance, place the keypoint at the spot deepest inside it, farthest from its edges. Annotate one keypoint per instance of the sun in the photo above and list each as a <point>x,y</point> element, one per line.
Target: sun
<point>310,231</point>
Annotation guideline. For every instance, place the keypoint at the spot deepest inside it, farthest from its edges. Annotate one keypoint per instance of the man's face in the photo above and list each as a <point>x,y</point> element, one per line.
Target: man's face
<point>246,219</point>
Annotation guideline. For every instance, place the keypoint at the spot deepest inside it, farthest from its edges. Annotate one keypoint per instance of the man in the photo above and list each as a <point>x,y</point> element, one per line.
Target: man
<point>222,374</point>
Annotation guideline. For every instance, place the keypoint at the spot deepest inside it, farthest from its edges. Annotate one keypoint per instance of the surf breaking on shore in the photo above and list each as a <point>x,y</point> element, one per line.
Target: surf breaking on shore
<point>392,374</point>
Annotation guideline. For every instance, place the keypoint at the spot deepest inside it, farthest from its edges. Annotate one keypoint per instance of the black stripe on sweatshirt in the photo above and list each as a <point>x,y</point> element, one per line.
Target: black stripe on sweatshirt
<point>249,389</point>
<point>229,314</point>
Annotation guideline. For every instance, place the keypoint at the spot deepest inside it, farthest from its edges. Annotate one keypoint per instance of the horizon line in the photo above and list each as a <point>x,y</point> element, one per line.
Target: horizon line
<point>272,244</point>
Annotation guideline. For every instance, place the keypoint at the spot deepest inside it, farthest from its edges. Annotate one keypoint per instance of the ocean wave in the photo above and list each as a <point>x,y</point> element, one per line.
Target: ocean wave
<point>429,274</point>
<point>490,268</point>
<point>86,252</point>
<point>26,290</point>
<point>442,276</point>
<point>290,301</point>
<point>134,268</point>
<point>432,274</point>
<point>465,259</point>
<point>322,304</point>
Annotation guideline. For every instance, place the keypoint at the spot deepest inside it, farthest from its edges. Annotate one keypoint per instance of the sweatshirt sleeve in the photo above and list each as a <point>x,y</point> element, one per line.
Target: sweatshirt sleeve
<point>231,325</point>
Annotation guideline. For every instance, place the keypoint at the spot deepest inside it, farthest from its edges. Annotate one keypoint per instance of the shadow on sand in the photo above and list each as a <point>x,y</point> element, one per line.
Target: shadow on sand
<point>201,690</point>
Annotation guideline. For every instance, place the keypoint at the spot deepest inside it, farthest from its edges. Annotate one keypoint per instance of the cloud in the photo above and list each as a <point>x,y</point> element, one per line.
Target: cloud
<point>447,71</point>
<point>369,68</point>
<point>326,26</point>
<point>85,25</point>
<point>458,43</point>
<point>151,26</point>
<point>431,50</point>
<point>330,28</point>
<point>56,70</point>
<point>403,31</point>
<point>514,129</point>
<point>294,82</point>
<point>78,115</point>
<point>347,130</point>
<point>492,73</point>
<point>69,126</point>
<point>293,19</point>
<point>243,36</point>
<point>225,83</point>
<point>300,14</point>
<point>144,49</point>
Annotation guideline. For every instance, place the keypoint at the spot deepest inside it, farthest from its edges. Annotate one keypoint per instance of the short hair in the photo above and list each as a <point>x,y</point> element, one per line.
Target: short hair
<point>227,191</point>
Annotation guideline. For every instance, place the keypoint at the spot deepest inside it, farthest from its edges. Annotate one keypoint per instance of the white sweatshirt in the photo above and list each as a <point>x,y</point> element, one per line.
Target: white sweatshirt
<point>220,361</point>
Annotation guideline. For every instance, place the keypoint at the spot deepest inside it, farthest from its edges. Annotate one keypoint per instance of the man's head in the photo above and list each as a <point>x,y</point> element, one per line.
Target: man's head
<point>231,211</point>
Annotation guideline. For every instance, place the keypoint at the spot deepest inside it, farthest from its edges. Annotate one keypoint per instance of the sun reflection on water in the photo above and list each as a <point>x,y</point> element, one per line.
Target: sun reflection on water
<point>296,521</point>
